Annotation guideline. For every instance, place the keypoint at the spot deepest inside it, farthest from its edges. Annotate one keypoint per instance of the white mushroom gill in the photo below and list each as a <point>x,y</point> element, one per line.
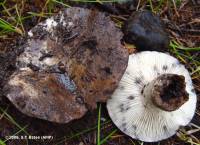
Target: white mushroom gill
<point>131,108</point>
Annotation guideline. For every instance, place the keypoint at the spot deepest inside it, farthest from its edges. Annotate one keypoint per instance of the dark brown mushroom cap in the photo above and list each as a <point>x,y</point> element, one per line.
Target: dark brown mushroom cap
<point>78,46</point>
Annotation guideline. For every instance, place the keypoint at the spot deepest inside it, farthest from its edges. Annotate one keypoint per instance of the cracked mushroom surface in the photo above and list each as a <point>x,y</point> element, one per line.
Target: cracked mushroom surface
<point>70,61</point>
<point>154,98</point>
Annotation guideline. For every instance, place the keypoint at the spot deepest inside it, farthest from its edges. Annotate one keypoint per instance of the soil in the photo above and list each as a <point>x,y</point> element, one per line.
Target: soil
<point>180,26</point>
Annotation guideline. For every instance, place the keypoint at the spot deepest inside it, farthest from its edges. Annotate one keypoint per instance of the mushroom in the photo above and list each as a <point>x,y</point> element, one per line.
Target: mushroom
<point>154,97</point>
<point>70,61</point>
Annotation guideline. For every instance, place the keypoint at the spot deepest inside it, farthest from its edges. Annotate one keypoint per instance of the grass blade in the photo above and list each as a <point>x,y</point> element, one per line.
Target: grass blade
<point>61,3</point>
<point>7,27</point>
<point>99,127</point>
<point>10,118</point>
<point>17,132</point>
<point>107,137</point>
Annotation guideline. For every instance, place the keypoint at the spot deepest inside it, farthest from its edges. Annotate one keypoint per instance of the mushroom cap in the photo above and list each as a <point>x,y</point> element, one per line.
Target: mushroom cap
<point>70,61</point>
<point>126,106</point>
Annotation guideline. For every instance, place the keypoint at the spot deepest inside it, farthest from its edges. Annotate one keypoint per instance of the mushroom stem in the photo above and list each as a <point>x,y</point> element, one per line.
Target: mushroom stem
<point>167,92</point>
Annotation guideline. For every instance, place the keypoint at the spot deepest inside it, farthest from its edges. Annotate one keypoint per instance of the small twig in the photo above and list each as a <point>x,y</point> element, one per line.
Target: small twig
<point>196,20</point>
<point>119,17</point>
<point>175,8</point>
<point>138,5</point>
<point>192,131</point>
<point>183,4</point>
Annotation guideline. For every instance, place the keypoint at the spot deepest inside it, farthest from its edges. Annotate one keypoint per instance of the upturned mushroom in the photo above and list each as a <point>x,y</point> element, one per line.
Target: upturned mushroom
<point>154,98</point>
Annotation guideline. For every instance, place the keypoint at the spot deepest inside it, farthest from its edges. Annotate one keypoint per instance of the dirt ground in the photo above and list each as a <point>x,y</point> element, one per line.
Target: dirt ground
<point>183,25</point>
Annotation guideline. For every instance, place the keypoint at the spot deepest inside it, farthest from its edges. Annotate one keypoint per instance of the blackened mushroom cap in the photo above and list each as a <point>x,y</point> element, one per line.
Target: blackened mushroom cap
<point>70,61</point>
<point>137,113</point>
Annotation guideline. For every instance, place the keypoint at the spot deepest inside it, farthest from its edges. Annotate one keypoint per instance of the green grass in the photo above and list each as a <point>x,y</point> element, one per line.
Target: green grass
<point>17,133</point>
<point>12,120</point>
<point>78,134</point>
<point>15,24</point>
<point>8,117</point>
<point>99,126</point>
<point>187,55</point>
<point>6,27</point>
<point>104,140</point>
<point>108,136</point>
<point>176,45</point>
<point>17,20</point>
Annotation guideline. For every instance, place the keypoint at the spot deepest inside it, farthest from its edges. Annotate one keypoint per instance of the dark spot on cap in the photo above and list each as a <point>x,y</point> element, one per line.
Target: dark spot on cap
<point>138,81</point>
<point>127,108</point>
<point>193,90</point>
<point>127,73</point>
<point>121,87</point>
<point>142,91</point>
<point>156,70</point>
<point>124,126</point>
<point>134,127</point>
<point>131,97</point>
<point>121,106</point>
<point>165,128</point>
<point>165,67</point>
